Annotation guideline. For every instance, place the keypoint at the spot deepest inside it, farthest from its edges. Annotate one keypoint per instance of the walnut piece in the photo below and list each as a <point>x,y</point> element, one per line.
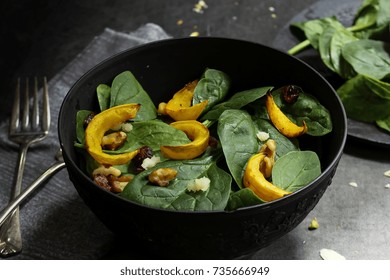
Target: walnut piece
<point>162,176</point>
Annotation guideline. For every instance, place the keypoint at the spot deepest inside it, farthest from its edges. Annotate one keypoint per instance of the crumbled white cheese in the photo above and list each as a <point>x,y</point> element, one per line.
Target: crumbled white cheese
<point>353,184</point>
<point>328,254</point>
<point>387,186</point>
<point>127,127</point>
<point>150,162</point>
<point>387,173</point>
<point>262,135</point>
<point>201,184</point>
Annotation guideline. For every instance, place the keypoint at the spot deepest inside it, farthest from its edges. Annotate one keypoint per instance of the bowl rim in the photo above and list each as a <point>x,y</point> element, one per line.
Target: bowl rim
<point>278,202</point>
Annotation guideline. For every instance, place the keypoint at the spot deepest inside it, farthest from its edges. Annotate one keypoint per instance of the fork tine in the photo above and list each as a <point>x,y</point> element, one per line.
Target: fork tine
<point>35,113</point>
<point>26,107</point>
<point>14,123</point>
<point>46,107</point>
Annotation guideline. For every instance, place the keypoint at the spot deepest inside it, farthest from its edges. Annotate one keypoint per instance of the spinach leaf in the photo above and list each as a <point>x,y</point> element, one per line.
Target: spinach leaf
<point>368,57</point>
<point>384,124</point>
<point>295,170</point>
<point>284,145</point>
<point>307,108</point>
<point>365,99</point>
<point>213,86</point>
<point>126,89</point>
<point>242,198</point>
<point>176,196</point>
<point>80,130</point>
<point>237,134</point>
<point>338,40</point>
<point>237,101</point>
<point>104,94</point>
<point>314,28</point>
<point>153,133</point>
<point>373,13</point>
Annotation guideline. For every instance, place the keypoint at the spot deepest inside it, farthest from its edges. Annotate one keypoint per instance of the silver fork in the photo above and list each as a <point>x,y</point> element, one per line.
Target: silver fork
<point>25,129</point>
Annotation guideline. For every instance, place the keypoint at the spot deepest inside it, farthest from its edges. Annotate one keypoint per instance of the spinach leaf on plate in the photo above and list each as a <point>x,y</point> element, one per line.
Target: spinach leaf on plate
<point>368,57</point>
<point>365,99</point>
<point>176,196</point>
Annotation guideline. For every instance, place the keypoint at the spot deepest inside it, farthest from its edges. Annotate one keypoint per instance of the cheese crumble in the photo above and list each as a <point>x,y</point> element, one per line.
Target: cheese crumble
<point>201,184</point>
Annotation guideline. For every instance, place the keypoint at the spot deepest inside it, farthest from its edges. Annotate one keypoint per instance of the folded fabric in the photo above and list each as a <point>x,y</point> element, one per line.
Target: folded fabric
<point>55,222</point>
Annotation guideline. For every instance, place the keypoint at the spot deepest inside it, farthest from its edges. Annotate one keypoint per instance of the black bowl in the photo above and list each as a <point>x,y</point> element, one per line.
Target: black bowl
<point>163,67</point>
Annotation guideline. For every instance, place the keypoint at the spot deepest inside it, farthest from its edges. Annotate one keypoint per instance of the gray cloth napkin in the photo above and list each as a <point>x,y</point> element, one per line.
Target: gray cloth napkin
<point>55,222</point>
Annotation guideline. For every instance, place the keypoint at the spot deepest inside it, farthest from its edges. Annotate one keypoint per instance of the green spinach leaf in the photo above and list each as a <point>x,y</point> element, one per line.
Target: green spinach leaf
<point>126,89</point>
<point>384,124</point>
<point>284,145</point>
<point>237,134</point>
<point>153,133</point>
<point>237,101</point>
<point>295,170</point>
<point>80,130</point>
<point>104,94</point>
<point>365,99</point>
<point>242,198</point>
<point>176,196</point>
<point>314,28</point>
<point>368,57</point>
<point>213,86</point>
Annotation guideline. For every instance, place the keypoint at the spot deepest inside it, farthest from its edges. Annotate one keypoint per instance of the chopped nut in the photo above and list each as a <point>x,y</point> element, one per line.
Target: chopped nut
<point>102,181</point>
<point>162,176</point>
<point>114,141</point>
<point>108,178</point>
<point>314,224</point>
<point>269,149</point>
<point>106,171</point>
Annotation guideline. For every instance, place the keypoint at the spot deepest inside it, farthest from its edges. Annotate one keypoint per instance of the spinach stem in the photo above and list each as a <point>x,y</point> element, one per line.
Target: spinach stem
<point>299,47</point>
<point>207,123</point>
<point>306,43</point>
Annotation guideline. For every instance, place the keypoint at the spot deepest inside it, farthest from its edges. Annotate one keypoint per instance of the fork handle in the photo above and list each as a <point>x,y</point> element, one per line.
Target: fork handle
<point>10,234</point>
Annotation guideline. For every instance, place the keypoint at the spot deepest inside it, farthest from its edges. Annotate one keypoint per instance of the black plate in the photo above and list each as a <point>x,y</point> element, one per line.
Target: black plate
<point>344,10</point>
